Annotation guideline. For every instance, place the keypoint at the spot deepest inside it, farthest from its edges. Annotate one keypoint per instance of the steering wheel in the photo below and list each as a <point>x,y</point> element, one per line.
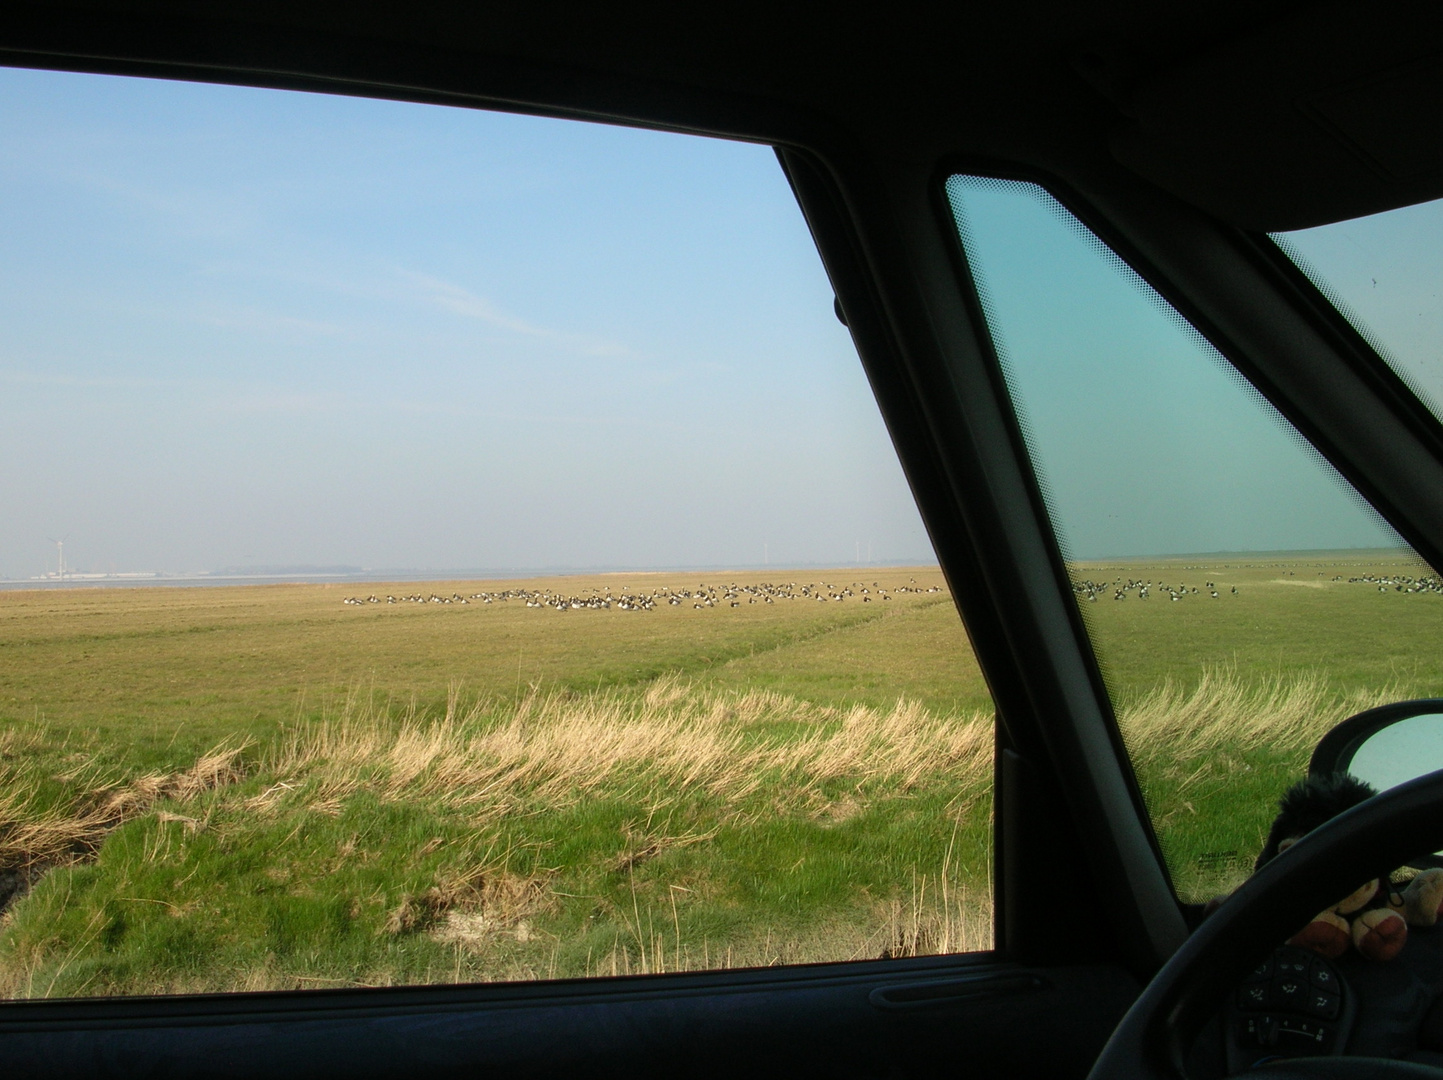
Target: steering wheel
<point>1370,840</point>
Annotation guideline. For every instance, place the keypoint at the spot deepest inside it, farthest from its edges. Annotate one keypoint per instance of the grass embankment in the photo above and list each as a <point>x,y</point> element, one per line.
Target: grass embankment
<point>261,787</point>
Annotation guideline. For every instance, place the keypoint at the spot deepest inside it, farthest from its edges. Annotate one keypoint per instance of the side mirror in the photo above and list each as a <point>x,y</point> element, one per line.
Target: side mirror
<point>1386,747</point>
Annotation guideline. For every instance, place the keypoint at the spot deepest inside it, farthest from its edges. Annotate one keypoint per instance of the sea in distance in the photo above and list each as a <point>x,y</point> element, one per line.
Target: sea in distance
<point>325,575</point>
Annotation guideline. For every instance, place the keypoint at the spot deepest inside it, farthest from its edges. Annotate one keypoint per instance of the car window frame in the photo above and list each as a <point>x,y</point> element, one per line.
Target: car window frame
<point>1060,734</point>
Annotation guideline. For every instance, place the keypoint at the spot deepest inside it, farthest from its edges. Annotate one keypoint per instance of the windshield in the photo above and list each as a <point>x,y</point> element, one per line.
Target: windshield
<point>1384,273</point>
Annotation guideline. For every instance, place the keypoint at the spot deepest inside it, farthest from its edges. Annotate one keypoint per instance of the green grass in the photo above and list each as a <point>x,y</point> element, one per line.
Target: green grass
<point>252,787</point>
<point>164,673</point>
<point>1297,623</point>
<point>1288,616</point>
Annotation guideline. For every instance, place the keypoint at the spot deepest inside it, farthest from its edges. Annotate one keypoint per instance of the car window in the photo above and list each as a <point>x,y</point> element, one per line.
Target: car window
<point>444,546</point>
<point>1384,272</point>
<point>1240,596</point>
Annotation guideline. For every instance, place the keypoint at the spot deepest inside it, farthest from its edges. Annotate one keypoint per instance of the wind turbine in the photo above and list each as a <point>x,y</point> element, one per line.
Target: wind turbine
<point>60,553</point>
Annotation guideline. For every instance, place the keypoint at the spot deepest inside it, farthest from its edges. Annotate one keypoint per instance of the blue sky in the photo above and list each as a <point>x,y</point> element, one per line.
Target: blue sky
<point>253,328</point>
<point>245,327</point>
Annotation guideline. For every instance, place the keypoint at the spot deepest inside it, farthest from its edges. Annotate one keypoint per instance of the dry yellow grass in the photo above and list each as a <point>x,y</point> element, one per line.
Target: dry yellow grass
<point>1224,713</point>
<point>36,835</point>
<point>558,748</point>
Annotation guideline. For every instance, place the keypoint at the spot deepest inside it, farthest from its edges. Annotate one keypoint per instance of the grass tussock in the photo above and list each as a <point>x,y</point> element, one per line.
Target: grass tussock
<point>1225,713</point>
<point>50,820</point>
<point>559,748</point>
<point>217,768</point>
<point>468,906</point>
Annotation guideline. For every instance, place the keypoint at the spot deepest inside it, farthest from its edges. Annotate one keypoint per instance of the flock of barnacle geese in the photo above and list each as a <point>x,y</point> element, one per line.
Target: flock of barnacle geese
<point>703,596</point>
<point>1397,583</point>
<point>735,595</point>
<point>1091,590</point>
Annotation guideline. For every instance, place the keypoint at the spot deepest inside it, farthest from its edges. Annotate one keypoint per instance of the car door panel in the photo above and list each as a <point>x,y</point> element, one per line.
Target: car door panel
<point>936,1016</point>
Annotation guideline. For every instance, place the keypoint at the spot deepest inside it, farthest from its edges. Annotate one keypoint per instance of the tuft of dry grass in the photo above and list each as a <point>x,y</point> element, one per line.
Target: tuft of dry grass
<point>1224,713</point>
<point>217,768</point>
<point>559,748</point>
<point>957,917</point>
<point>39,832</point>
<point>636,854</point>
<point>465,907</point>
<point>929,926</point>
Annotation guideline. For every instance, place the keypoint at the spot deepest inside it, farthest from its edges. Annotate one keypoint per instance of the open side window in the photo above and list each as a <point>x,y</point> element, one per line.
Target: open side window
<point>442,547</point>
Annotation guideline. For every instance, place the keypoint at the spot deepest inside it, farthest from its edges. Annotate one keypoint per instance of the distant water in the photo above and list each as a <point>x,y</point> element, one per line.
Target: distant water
<point>126,581</point>
<point>325,577</point>
<point>120,581</point>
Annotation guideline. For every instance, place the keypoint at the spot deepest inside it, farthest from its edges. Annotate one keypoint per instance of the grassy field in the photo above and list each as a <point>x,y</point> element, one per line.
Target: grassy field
<point>1222,700</point>
<point>267,786</point>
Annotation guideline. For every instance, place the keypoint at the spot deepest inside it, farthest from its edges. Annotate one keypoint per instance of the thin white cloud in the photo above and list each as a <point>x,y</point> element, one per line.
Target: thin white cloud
<point>255,320</point>
<point>460,301</point>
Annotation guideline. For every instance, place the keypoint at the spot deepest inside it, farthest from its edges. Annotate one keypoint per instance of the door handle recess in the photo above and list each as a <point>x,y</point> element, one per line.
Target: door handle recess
<point>927,995</point>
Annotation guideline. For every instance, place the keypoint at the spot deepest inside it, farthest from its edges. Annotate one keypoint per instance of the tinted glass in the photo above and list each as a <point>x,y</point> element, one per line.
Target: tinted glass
<point>1241,598</point>
<point>1385,273</point>
<point>448,546</point>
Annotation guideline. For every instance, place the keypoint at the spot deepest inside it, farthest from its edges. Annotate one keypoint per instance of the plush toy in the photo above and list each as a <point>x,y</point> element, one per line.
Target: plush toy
<point>1374,918</point>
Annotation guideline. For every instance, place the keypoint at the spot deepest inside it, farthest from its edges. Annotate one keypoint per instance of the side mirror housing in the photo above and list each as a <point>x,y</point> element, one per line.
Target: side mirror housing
<point>1386,747</point>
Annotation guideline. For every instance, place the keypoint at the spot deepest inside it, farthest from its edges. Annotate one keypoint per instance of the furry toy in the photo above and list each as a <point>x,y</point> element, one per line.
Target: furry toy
<point>1374,918</point>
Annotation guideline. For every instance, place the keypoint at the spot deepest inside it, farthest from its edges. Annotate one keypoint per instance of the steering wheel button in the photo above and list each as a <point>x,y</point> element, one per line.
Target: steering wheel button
<point>1291,963</point>
<point>1254,996</point>
<point>1262,973</point>
<point>1323,1004</point>
<point>1290,992</point>
<point>1256,1031</point>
